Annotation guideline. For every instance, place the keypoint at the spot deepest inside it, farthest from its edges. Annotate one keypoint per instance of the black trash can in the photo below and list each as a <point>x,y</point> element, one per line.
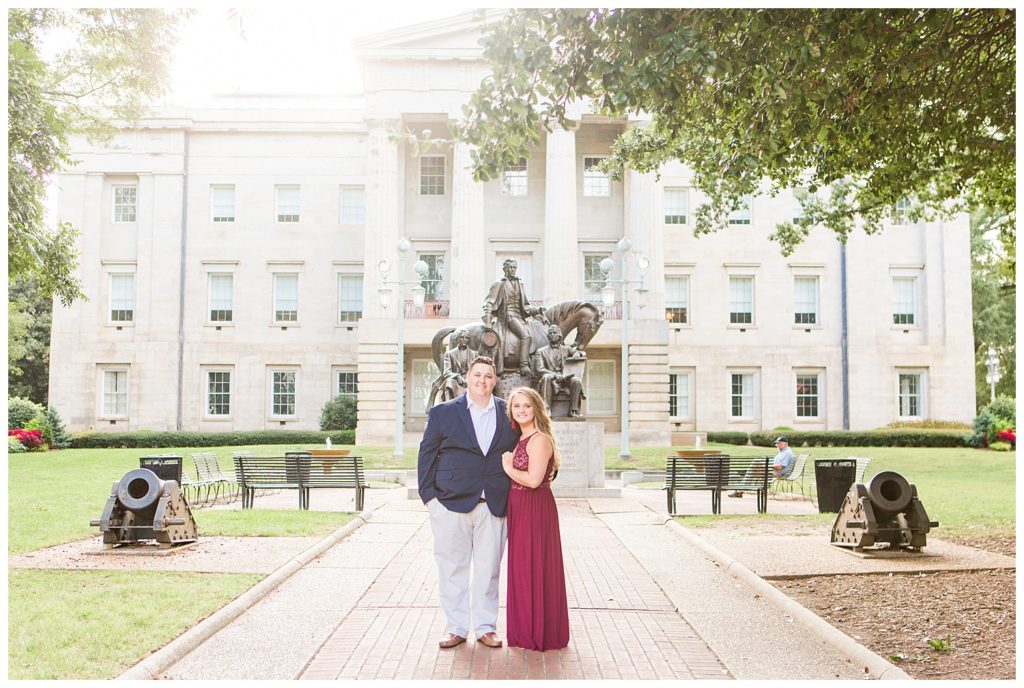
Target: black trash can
<point>833,478</point>
<point>166,466</point>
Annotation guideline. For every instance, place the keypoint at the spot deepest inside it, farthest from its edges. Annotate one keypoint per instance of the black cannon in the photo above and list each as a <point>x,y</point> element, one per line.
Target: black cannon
<point>144,507</point>
<point>884,512</point>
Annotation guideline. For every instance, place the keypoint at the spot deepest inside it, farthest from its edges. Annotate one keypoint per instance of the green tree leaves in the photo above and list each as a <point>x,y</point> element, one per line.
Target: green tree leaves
<point>115,60</point>
<point>892,103</point>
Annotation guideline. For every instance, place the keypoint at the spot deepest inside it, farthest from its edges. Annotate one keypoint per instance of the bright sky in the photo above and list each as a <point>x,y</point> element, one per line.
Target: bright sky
<point>288,48</point>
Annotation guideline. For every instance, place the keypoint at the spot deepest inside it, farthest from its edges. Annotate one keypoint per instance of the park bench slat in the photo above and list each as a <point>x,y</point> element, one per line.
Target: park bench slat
<point>302,472</point>
<point>712,472</point>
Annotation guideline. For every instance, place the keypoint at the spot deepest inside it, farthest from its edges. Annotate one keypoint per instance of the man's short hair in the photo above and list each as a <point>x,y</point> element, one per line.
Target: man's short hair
<point>486,360</point>
<point>509,261</point>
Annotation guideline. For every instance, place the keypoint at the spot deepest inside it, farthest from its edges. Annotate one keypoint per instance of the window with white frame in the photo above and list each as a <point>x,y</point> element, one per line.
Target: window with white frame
<point>742,214</point>
<point>346,383</point>
<point>799,194</point>
<point>424,372</point>
<point>218,393</point>
<point>221,297</point>
<point>600,386</point>
<point>222,202</point>
<point>677,205</point>
<point>901,212</point>
<point>904,300</point>
<point>595,181</point>
<point>741,300</point>
<point>433,279</point>
<point>514,180</point>
<point>911,394</point>
<point>808,395</point>
<point>284,393</point>
<point>350,298</point>
<point>742,395</point>
<point>114,403</point>
<point>677,299</point>
<point>432,175</point>
<point>125,200</point>
<point>353,205</point>
<point>805,301</point>
<point>122,297</point>
<point>287,202</point>
<point>594,278</point>
<point>679,395</point>
<point>286,297</point>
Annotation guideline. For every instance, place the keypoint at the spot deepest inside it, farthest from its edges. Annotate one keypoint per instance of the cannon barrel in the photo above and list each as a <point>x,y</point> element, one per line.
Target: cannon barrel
<point>889,492</point>
<point>140,489</point>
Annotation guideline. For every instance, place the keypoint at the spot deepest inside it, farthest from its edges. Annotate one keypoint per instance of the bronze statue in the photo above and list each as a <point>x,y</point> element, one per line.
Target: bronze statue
<point>506,310</point>
<point>512,332</point>
<point>549,371</point>
<point>452,381</point>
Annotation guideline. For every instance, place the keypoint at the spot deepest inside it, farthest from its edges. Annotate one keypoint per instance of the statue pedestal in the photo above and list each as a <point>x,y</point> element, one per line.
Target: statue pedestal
<point>581,473</point>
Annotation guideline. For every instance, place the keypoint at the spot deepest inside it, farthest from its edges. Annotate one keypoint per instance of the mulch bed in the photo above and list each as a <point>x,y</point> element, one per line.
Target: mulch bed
<point>896,614</point>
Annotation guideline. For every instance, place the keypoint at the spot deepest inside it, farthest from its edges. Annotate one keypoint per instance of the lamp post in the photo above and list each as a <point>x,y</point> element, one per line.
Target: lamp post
<point>993,376</point>
<point>418,296</point>
<point>608,297</point>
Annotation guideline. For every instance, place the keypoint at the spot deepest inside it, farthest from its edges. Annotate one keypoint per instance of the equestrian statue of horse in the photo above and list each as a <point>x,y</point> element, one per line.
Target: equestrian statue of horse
<point>580,316</point>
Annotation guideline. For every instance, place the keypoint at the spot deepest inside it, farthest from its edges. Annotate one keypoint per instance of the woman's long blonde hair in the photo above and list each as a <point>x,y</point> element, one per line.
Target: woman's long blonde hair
<point>541,418</point>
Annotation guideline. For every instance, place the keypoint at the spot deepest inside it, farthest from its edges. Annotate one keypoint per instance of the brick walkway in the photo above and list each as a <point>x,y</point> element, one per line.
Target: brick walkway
<point>621,624</point>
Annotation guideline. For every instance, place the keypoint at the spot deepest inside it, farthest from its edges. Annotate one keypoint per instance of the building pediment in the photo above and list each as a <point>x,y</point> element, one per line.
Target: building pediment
<point>454,37</point>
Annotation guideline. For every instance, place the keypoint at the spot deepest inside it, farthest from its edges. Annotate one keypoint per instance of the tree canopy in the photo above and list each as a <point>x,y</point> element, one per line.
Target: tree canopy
<point>113,61</point>
<point>860,107</point>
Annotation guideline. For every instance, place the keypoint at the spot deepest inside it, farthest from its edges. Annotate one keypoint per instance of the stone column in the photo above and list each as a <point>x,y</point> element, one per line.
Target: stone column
<point>648,351</point>
<point>468,244</point>
<point>382,223</point>
<point>561,234</point>
<point>378,335</point>
<point>644,208</point>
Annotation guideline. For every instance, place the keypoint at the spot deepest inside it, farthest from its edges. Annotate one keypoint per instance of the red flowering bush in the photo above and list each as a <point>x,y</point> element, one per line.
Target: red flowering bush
<point>30,439</point>
<point>1008,435</point>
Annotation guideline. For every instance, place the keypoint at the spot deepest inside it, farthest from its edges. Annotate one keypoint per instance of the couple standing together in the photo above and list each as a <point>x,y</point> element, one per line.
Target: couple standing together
<point>481,458</point>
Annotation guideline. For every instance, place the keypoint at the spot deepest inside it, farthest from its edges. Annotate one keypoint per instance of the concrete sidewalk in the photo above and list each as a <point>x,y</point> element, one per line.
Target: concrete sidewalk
<point>643,604</point>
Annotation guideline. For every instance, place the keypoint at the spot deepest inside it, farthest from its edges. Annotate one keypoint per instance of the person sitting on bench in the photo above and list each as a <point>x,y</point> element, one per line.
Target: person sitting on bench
<point>782,464</point>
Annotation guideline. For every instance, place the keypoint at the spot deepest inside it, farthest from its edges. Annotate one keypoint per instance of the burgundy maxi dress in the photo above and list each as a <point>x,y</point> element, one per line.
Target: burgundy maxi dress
<point>537,614</point>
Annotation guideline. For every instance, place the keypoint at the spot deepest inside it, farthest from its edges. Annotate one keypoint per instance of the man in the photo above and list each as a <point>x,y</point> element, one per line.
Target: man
<point>506,310</point>
<point>456,365</point>
<point>462,482</point>
<point>549,371</point>
<point>781,465</point>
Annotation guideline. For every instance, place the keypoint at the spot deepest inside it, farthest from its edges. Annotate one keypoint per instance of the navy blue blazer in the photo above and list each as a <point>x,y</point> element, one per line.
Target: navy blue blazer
<point>451,466</point>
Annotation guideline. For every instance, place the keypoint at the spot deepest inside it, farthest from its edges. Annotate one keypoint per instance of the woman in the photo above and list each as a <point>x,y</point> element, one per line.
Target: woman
<point>537,612</point>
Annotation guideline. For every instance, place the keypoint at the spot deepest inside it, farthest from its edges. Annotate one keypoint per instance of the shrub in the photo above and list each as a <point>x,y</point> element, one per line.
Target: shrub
<point>983,424</point>
<point>152,438</point>
<point>32,440</point>
<point>59,437</point>
<point>927,424</point>
<point>339,414</point>
<point>728,437</point>
<point>864,438</point>
<point>1004,408</point>
<point>21,411</point>
<point>1008,435</point>
<point>1000,446</point>
<point>14,446</point>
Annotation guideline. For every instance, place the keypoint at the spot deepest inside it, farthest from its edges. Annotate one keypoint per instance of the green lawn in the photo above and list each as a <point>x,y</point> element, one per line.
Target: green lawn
<point>968,491</point>
<point>96,624</point>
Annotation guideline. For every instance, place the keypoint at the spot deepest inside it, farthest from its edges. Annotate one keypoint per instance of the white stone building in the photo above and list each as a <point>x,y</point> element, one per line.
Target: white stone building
<point>230,257</point>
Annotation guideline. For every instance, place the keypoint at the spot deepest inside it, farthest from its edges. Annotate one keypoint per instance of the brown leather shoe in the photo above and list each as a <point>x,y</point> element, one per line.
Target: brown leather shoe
<point>450,640</point>
<point>490,640</point>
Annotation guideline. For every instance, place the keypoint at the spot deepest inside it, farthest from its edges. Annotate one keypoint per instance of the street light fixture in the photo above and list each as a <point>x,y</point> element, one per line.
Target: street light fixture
<point>608,298</point>
<point>384,296</point>
<point>994,375</point>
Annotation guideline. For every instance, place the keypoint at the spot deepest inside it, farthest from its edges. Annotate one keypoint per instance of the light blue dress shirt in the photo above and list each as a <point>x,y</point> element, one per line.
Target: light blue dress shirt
<point>485,422</point>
